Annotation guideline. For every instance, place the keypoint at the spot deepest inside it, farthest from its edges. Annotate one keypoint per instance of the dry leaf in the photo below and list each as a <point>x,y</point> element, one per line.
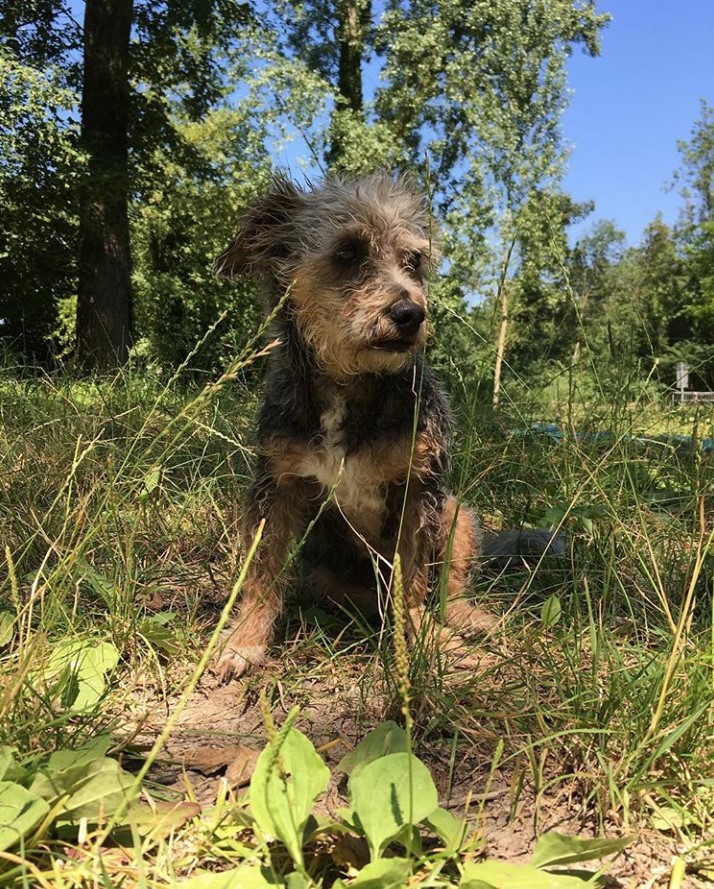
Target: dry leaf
<point>239,772</point>
<point>209,760</point>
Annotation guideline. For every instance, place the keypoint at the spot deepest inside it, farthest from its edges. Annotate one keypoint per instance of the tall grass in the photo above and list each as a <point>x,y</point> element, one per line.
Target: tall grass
<point>119,509</point>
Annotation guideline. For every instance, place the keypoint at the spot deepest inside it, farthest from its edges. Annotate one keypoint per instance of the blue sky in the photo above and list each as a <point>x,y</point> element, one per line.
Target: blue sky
<point>632,104</point>
<point>629,107</point>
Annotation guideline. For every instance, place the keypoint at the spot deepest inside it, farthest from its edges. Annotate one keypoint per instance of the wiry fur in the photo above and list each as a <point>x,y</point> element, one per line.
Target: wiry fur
<point>339,452</point>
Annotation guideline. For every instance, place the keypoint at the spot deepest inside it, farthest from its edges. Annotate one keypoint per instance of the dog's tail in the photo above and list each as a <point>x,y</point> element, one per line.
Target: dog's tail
<point>515,549</point>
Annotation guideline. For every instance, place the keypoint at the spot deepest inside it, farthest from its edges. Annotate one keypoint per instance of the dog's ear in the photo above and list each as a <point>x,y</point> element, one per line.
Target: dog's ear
<point>265,231</point>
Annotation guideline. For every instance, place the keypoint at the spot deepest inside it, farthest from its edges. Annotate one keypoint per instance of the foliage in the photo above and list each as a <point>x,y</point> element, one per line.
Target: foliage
<point>119,514</point>
<point>645,307</point>
<point>469,100</point>
<point>184,222</point>
<point>183,64</point>
<point>39,169</point>
<point>696,175</point>
<point>393,796</point>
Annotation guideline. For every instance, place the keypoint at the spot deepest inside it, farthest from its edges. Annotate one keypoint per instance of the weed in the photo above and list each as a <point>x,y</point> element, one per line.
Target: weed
<point>119,508</point>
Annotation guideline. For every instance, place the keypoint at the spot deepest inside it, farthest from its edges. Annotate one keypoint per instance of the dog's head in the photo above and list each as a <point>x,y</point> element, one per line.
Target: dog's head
<point>353,259</point>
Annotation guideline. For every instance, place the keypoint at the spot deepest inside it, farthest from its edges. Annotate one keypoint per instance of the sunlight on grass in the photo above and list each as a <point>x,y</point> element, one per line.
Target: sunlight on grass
<point>119,519</point>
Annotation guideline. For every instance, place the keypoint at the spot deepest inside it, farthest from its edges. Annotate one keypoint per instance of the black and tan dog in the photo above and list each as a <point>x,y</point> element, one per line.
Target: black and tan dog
<point>353,431</point>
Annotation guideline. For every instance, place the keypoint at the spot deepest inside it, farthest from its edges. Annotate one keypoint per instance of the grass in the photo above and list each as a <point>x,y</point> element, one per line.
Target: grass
<point>119,503</point>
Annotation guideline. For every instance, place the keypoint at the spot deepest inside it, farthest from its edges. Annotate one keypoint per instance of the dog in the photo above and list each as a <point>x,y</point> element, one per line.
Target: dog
<point>353,429</point>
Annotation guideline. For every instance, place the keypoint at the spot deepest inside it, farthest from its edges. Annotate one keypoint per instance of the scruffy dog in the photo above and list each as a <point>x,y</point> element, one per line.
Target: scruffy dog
<point>353,431</point>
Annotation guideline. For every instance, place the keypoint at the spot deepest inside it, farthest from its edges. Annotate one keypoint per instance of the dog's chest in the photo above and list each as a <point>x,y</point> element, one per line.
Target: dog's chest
<point>355,479</point>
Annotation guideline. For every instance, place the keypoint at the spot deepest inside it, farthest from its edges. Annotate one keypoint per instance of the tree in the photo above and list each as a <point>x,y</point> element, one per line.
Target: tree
<point>460,83</point>
<point>470,95</point>
<point>104,309</point>
<point>39,170</point>
<point>696,174</point>
<point>179,229</point>
<point>591,282</point>
<point>178,57</point>
<point>695,236</point>
<point>547,313</point>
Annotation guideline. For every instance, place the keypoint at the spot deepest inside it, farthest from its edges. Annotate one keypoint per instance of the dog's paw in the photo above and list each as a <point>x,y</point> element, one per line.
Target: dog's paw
<point>470,620</point>
<point>479,623</point>
<point>461,657</point>
<point>236,662</point>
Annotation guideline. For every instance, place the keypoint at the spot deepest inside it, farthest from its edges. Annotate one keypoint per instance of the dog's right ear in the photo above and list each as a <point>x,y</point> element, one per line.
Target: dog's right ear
<point>265,231</point>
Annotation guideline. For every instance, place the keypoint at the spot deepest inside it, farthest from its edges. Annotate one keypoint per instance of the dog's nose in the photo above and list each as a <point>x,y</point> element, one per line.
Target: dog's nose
<point>407,315</point>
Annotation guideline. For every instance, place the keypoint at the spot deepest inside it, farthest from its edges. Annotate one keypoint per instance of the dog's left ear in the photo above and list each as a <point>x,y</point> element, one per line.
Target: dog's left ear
<point>265,232</point>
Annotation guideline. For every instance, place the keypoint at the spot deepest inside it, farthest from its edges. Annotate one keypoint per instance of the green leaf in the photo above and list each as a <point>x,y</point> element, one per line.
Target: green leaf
<point>158,631</point>
<point>149,483</point>
<point>237,878</point>
<point>103,787</point>
<point>448,828</point>
<point>64,767</point>
<point>385,873</point>
<point>10,770</point>
<point>557,849</point>
<point>6,760</point>
<point>20,812</point>
<point>389,793</point>
<point>385,739</point>
<point>669,818</point>
<point>550,611</point>
<point>7,627</point>
<point>504,875</point>
<point>79,668</point>
<point>284,787</point>
<point>94,786</point>
<point>554,516</point>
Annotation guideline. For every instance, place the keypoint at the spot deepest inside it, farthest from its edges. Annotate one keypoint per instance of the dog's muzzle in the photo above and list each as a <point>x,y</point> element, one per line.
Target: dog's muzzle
<point>407,317</point>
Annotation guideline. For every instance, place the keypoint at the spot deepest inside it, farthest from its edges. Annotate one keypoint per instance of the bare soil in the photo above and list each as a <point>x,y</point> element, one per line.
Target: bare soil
<point>340,701</point>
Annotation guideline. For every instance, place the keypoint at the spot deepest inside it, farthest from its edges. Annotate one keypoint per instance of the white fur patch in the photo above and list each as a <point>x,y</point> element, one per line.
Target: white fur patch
<point>350,477</point>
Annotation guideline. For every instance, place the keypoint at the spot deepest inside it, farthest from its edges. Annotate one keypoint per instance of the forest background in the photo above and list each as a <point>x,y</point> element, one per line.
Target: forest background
<point>131,140</point>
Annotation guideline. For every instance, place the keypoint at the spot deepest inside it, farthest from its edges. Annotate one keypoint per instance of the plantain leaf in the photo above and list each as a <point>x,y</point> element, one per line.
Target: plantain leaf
<point>385,739</point>
<point>93,786</point>
<point>557,849</point>
<point>7,628</point>
<point>550,611</point>
<point>10,769</point>
<point>390,793</point>
<point>448,828</point>
<point>283,789</point>
<point>504,875</point>
<point>385,873</point>
<point>20,812</point>
<point>237,878</point>
<point>79,668</point>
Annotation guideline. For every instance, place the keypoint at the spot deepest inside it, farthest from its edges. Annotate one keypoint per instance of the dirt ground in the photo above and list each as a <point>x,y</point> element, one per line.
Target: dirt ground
<point>219,722</point>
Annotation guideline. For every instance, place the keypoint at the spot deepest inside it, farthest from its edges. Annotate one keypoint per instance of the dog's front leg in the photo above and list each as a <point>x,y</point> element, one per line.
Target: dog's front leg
<point>414,546</point>
<point>281,506</point>
<point>458,548</point>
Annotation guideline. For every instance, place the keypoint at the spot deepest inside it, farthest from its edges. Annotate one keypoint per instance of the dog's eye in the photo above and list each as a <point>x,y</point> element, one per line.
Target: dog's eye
<point>414,262</point>
<point>350,253</point>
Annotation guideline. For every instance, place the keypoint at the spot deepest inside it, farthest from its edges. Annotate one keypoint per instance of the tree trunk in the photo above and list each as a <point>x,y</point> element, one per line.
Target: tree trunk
<point>355,17</point>
<point>503,323</point>
<point>351,40</point>
<point>104,316</point>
